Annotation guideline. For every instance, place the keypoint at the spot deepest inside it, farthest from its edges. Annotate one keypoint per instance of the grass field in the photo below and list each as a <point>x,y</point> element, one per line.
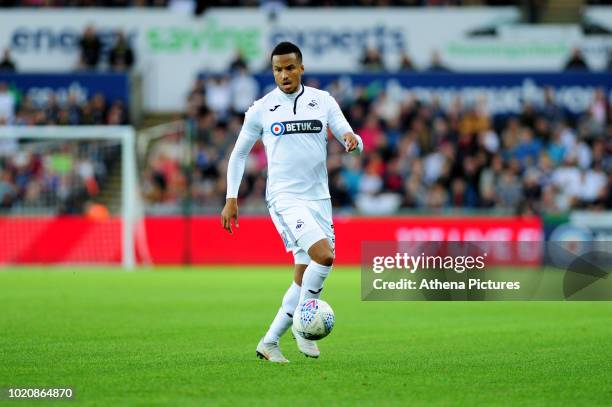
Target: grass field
<point>187,337</point>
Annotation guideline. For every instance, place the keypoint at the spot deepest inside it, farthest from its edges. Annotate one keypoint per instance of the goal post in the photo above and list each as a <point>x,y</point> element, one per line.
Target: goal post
<point>93,149</point>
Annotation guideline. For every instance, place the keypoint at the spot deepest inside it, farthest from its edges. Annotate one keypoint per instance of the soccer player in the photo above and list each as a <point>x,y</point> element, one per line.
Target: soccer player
<point>292,121</point>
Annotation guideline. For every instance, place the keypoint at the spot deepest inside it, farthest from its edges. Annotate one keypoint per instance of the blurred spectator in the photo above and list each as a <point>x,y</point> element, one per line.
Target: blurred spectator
<point>238,62</point>
<point>7,189</point>
<point>406,63</point>
<point>532,10</point>
<point>7,104</point>
<point>436,64</point>
<point>117,114</point>
<point>576,61</point>
<point>121,56</point>
<point>609,65</point>
<point>599,109</point>
<point>372,60</point>
<point>593,183</point>
<point>244,90</point>
<point>90,46</point>
<point>219,96</point>
<point>508,189</point>
<point>7,63</point>
<point>371,133</point>
<point>550,109</point>
<point>97,109</point>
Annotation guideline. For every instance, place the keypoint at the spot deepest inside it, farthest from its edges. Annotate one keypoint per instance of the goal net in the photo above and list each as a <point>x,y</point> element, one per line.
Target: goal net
<point>67,195</point>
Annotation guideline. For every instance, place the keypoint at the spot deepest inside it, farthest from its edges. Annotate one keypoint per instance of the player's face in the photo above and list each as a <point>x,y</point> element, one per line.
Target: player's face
<point>288,72</point>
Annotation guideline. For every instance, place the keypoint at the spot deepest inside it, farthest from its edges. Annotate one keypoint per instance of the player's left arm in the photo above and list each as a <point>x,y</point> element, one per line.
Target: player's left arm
<point>341,129</point>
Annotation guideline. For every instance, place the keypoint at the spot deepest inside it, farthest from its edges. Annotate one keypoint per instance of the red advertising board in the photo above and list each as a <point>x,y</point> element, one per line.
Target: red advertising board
<point>202,240</point>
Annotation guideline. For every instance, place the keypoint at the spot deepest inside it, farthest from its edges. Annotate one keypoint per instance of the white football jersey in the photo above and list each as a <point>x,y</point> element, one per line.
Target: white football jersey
<point>293,128</point>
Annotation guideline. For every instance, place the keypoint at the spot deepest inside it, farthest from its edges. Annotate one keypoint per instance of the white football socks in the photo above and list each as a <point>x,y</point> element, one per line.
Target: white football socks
<point>312,282</point>
<point>284,317</point>
<point>312,285</point>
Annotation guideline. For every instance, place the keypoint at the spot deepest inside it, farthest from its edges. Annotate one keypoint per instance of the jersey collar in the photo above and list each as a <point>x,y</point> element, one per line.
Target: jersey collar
<point>291,96</point>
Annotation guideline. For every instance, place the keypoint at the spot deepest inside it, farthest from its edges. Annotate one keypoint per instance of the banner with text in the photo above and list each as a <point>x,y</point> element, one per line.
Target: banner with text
<point>172,47</point>
<point>39,87</point>
<point>202,240</point>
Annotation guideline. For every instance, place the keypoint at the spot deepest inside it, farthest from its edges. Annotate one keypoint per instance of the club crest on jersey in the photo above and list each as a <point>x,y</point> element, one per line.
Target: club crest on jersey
<point>296,127</point>
<point>277,128</point>
<point>313,104</point>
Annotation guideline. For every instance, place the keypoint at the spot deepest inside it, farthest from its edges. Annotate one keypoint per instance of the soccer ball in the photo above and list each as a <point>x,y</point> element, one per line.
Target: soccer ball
<point>314,319</point>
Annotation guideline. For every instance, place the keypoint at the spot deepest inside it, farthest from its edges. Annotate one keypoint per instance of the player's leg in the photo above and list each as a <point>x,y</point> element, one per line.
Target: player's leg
<point>298,273</point>
<point>319,243</point>
<point>322,259</point>
<point>268,347</point>
<point>307,225</point>
<point>312,284</point>
<point>284,317</point>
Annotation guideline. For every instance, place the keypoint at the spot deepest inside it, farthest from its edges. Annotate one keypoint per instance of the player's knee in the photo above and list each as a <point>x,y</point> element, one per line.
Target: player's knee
<point>326,258</point>
<point>322,253</point>
<point>298,274</point>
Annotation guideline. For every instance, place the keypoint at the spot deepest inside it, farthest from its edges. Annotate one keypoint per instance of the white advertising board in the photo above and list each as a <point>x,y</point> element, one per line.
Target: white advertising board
<point>172,47</point>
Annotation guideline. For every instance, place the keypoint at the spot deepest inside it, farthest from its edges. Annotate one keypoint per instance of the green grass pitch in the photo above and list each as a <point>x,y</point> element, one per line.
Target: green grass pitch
<point>187,337</point>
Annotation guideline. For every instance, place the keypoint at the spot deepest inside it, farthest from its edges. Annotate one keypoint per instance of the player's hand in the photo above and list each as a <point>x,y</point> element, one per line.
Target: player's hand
<point>229,212</point>
<point>350,142</point>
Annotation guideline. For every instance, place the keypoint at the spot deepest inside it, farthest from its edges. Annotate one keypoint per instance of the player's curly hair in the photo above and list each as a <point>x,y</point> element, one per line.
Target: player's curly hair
<point>284,48</point>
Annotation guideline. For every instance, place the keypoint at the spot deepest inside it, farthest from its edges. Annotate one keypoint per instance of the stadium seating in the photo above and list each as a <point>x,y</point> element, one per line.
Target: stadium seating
<point>417,156</point>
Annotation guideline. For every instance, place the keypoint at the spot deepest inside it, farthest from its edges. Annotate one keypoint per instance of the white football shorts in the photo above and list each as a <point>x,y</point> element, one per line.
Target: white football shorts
<point>302,223</point>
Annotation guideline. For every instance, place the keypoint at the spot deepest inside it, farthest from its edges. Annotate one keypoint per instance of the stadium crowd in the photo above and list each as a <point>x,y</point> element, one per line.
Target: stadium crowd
<point>62,177</point>
<point>418,155</point>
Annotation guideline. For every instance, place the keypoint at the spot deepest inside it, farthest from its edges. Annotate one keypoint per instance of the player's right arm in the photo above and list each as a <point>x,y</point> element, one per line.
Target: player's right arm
<point>250,133</point>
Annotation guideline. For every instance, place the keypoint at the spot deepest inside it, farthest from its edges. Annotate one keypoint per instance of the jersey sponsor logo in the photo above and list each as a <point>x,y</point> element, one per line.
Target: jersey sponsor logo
<point>277,128</point>
<point>299,225</point>
<point>296,127</point>
<point>274,108</point>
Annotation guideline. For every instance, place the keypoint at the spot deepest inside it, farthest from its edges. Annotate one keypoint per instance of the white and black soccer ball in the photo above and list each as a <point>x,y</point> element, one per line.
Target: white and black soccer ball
<point>314,319</point>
